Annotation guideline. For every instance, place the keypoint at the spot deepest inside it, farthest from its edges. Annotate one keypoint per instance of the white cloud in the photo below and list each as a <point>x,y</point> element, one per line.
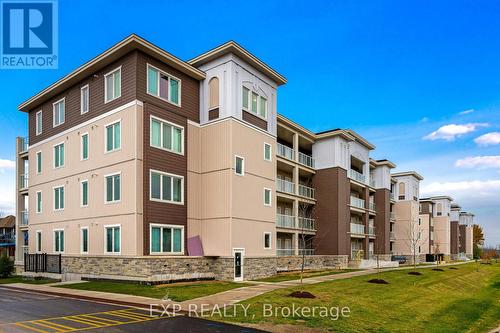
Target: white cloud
<point>480,162</point>
<point>452,131</point>
<point>478,187</point>
<point>487,139</point>
<point>7,165</point>
<point>466,112</point>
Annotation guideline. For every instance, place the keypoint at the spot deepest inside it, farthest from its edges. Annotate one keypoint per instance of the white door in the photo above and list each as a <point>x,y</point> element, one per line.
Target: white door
<point>239,260</point>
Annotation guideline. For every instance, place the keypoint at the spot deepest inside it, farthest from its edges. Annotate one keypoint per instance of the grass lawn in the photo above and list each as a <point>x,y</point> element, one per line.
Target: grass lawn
<point>19,279</point>
<point>287,276</point>
<point>176,291</point>
<point>465,299</point>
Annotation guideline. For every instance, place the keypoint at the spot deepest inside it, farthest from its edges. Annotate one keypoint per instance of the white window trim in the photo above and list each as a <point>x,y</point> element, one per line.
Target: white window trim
<point>38,243</point>
<point>270,240</point>
<point>161,239</point>
<point>36,202</point>
<point>169,76</point>
<point>161,134</point>
<point>36,122</point>
<point>105,193</point>
<point>242,165</point>
<point>106,137</point>
<point>54,112</point>
<point>88,146</point>
<point>270,152</point>
<point>54,240</point>
<point>81,193</point>
<point>270,197</point>
<point>161,187</point>
<point>81,99</point>
<point>38,153</point>
<point>105,238</point>
<point>118,69</point>
<point>88,240</point>
<point>54,198</point>
<point>54,155</point>
<point>249,109</point>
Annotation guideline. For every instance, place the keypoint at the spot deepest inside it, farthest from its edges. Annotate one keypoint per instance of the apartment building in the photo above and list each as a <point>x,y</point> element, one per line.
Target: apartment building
<point>426,216</point>
<point>442,224</point>
<point>454,230</point>
<point>466,226</point>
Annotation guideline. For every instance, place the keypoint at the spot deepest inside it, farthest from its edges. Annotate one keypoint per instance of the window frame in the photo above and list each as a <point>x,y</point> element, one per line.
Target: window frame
<point>162,173</point>
<point>54,198</point>
<point>54,112</point>
<point>119,173</point>
<point>38,208</point>
<point>39,123</point>
<point>112,72</point>
<point>106,151</point>
<point>38,241</point>
<point>85,87</point>
<point>249,107</point>
<point>165,226</point>
<point>82,158</point>
<point>270,197</point>
<point>38,160</point>
<point>170,76</point>
<point>270,152</point>
<point>54,155</point>
<point>109,226</point>
<point>88,238</point>
<point>81,193</point>
<point>151,119</point>
<point>267,233</point>
<point>236,157</point>
<point>54,231</point>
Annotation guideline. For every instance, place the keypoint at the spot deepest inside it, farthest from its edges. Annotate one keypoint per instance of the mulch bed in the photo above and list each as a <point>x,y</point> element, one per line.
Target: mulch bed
<point>453,268</point>
<point>378,281</point>
<point>486,263</point>
<point>414,273</point>
<point>304,294</point>
<point>438,269</point>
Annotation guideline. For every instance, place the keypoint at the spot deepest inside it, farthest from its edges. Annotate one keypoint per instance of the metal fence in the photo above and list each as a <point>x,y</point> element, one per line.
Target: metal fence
<point>42,263</point>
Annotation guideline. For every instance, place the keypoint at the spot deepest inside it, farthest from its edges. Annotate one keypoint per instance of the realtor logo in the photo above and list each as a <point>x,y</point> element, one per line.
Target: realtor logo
<point>29,34</point>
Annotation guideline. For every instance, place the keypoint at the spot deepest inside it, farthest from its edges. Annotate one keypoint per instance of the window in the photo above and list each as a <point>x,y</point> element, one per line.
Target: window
<point>113,239</point>
<point>38,162</point>
<point>402,191</point>
<point>59,155</point>
<point>38,202</point>
<point>85,146</point>
<point>84,193</point>
<point>267,240</point>
<point>165,135</point>
<point>38,241</point>
<point>167,239</point>
<point>163,85</point>
<point>254,103</point>
<point>59,241</point>
<point>38,123</point>
<point>213,92</point>
<point>239,165</point>
<point>112,85</point>
<point>59,198</point>
<point>113,137</point>
<point>267,151</point>
<point>267,197</point>
<point>166,187</point>
<point>59,113</point>
<point>84,238</point>
<point>113,185</point>
<point>84,99</point>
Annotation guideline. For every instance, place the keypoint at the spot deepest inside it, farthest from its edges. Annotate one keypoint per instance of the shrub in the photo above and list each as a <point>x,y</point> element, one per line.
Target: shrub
<point>6,266</point>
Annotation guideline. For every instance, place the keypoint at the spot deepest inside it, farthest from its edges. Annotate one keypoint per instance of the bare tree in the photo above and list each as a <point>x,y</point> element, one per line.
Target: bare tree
<point>437,251</point>
<point>305,210</point>
<point>415,240</point>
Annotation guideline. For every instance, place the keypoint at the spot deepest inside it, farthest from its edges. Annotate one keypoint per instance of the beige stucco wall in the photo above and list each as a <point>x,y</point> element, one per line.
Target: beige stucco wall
<point>407,213</point>
<point>424,227</point>
<point>442,231</point>
<point>127,161</point>
<point>469,241</point>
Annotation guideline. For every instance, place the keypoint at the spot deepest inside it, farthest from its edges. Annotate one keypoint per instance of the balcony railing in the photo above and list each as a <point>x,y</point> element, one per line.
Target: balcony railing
<point>285,186</point>
<point>285,252</point>
<point>285,221</point>
<point>306,223</point>
<point>286,152</point>
<point>25,249</point>
<point>306,191</point>
<point>24,145</point>
<point>371,205</point>
<point>357,229</point>
<point>392,215</point>
<point>372,182</point>
<point>371,230</point>
<point>392,196</point>
<point>307,252</point>
<point>24,218</point>
<point>392,235</point>
<point>357,176</point>
<point>23,181</point>
<point>306,160</point>
<point>357,202</point>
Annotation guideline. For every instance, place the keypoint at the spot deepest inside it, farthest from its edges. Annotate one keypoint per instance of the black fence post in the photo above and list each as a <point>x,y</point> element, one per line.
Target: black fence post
<point>60,263</point>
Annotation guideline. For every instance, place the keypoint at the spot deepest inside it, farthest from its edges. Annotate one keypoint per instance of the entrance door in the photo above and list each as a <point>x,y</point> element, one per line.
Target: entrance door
<point>238,264</point>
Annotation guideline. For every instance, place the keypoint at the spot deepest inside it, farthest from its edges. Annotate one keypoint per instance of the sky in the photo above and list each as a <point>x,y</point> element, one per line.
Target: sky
<point>418,79</point>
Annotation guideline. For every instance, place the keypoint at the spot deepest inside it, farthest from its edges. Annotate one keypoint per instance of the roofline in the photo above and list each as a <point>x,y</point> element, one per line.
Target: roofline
<point>382,162</point>
<point>408,173</point>
<point>233,47</point>
<point>126,45</point>
<point>439,197</point>
<point>426,200</point>
<point>361,140</point>
<point>312,135</point>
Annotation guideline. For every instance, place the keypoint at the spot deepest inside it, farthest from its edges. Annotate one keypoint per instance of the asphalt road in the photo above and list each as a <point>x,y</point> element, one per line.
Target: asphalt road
<point>25,312</point>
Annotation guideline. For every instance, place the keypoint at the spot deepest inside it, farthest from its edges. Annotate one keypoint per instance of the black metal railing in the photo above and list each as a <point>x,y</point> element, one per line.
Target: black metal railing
<point>42,263</point>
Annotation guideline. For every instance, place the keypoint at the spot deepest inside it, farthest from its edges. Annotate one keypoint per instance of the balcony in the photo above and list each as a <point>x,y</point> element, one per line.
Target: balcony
<point>7,239</point>
<point>23,181</point>
<point>392,216</point>
<point>306,160</point>
<point>357,202</point>
<point>285,186</point>
<point>306,223</point>
<point>306,191</point>
<point>285,221</point>
<point>286,152</point>
<point>357,176</point>
<point>392,196</point>
<point>372,182</point>
<point>392,235</point>
<point>371,205</point>
<point>357,229</point>
<point>24,145</point>
<point>285,252</point>
<point>307,252</point>
<point>24,218</point>
<point>371,230</point>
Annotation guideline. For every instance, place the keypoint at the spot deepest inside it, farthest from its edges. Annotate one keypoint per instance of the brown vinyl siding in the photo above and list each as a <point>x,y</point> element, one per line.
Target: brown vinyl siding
<point>454,234</point>
<point>254,120</point>
<point>462,229</point>
<point>213,114</point>
<point>382,221</point>
<point>97,106</point>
